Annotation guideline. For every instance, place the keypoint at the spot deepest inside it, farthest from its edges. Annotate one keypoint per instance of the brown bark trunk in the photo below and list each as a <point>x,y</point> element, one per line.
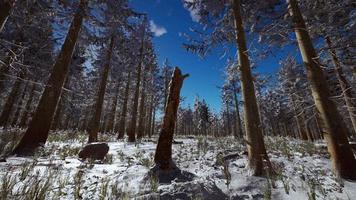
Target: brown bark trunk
<point>85,119</point>
<point>228,120</point>
<point>301,130</point>
<point>273,127</point>
<point>238,118</point>
<point>4,70</point>
<point>5,10</point>
<point>163,156</point>
<point>305,127</point>
<point>15,118</point>
<point>131,131</point>
<point>57,120</point>
<point>335,131</point>
<point>27,109</point>
<point>38,129</point>
<point>153,122</point>
<point>10,102</point>
<point>150,110</point>
<point>255,144</point>
<point>344,84</point>
<point>111,121</point>
<point>94,124</point>
<point>122,123</point>
<point>318,127</point>
<point>142,111</point>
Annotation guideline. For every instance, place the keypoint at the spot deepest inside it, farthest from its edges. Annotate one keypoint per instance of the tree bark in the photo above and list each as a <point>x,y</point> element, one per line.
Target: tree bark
<point>142,111</point>
<point>305,127</point>
<point>5,10</point>
<point>344,84</point>
<point>5,68</point>
<point>131,131</point>
<point>111,121</point>
<point>255,144</point>
<point>27,109</point>
<point>15,118</point>
<point>122,123</point>
<point>238,118</point>
<point>335,131</point>
<point>228,129</point>
<point>163,156</point>
<point>349,60</point>
<point>301,130</point>
<point>94,124</point>
<point>153,126</point>
<point>39,127</point>
<point>57,120</point>
<point>10,101</point>
<point>149,117</point>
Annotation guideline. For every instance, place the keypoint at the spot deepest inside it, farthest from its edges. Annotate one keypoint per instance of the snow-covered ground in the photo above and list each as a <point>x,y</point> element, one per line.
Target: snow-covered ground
<point>303,172</point>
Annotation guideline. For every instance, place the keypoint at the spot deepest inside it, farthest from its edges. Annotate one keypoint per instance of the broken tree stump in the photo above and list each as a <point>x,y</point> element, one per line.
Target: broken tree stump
<point>163,155</point>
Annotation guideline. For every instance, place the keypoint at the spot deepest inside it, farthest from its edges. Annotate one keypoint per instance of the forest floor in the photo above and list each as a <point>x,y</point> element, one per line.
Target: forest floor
<point>303,171</point>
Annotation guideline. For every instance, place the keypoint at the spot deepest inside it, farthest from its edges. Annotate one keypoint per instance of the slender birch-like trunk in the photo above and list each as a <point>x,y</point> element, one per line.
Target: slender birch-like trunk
<point>255,144</point>
<point>334,128</point>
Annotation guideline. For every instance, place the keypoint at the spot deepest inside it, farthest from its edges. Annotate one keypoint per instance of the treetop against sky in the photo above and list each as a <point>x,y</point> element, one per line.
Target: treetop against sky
<point>169,21</point>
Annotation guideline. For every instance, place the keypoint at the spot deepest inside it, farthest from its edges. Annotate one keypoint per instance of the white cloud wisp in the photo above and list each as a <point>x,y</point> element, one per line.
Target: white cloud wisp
<point>157,30</point>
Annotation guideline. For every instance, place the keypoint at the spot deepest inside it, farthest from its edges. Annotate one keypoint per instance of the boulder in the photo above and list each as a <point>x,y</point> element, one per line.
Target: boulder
<point>177,142</point>
<point>95,151</point>
<point>2,159</point>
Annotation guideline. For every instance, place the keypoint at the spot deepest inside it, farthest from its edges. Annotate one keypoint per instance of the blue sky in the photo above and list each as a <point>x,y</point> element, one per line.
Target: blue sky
<point>170,18</point>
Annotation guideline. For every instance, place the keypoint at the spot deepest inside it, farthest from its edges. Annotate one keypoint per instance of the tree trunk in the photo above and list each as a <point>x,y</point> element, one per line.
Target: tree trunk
<point>318,127</point>
<point>57,120</point>
<point>5,68</point>
<point>122,123</point>
<point>301,131</point>
<point>85,118</point>
<point>10,102</point>
<point>131,131</point>
<point>163,156</point>
<point>238,118</point>
<point>255,144</point>
<point>142,111</point>
<point>153,122</point>
<point>344,84</point>
<point>150,110</point>
<point>15,118</point>
<point>111,121</point>
<point>349,61</point>
<point>94,124</point>
<point>228,127</point>
<point>27,109</point>
<point>335,131</point>
<point>39,127</point>
<point>5,10</point>
<point>305,127</point>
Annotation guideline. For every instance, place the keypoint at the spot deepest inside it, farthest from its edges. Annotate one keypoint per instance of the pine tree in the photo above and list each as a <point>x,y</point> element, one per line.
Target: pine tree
<point>38,129</point>
<point>131,131</point>
<point>225,18</point>
<point>94,123</point>
<point>335,131</point>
